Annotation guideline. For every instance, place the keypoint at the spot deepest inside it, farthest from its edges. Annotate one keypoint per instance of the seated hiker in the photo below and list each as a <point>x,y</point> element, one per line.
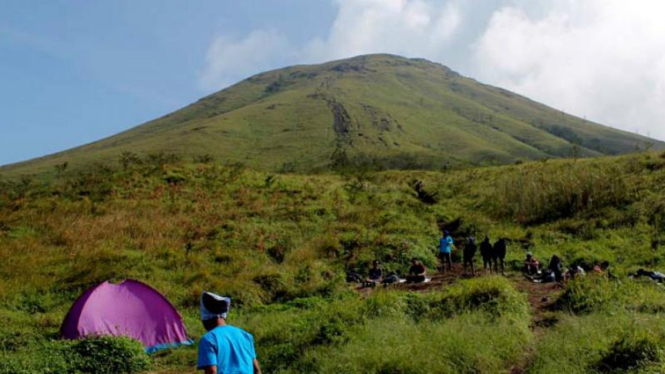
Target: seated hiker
<point>445,251</point>
<point>391,278</point>
<point>603,269</point>
<point>556,267</point>
<point>499,255</point>
<point>417,272</point>
<point>486,253</point>
<point>546,276</point>
<point>224,348</point>
<point>375,274</point>
<point>469,254</point>
<point>353,277</point>
<point>574,272</point>
<point>531,264</point>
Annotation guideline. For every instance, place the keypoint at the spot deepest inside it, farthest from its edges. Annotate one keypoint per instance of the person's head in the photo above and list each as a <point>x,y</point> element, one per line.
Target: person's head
<point>214,309</point>
<point>529,255</point>
<point>446,233</point>
<point>415,261</point>
<point>376,263</point>
<point>472,240</point>
<point>487,239</point>
<point>604,265</point>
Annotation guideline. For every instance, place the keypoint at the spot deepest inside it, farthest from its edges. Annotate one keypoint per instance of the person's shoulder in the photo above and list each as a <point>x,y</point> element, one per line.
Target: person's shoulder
<point>238,330</point>
<point>209,337</point>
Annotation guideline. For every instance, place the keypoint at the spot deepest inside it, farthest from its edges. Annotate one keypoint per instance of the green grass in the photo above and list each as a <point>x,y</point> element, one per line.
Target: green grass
<point>279,245</point>
<point>394,113</point>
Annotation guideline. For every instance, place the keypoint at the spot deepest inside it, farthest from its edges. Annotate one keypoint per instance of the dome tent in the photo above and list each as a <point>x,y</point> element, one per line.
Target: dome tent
<point>131,309</point>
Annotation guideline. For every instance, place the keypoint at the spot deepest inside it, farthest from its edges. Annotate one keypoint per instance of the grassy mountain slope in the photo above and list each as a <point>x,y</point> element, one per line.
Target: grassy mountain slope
<point>280,244</point>
<point>408,112</point>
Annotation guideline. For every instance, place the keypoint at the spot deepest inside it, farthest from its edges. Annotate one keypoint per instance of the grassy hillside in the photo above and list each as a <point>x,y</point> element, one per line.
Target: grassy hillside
<point>279,245</point>
<point>389,111</point>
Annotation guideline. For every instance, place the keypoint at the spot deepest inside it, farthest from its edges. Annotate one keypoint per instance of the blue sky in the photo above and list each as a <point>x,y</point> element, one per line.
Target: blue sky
<point>72,72</point>
<point>76,71</point>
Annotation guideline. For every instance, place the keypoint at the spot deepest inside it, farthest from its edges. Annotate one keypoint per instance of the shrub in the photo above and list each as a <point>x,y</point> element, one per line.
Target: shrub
<point>493,295</point>
<point>630,352</point>
<point>464,344</point>
<point>597,294</point>
<point>106,355</point>
<point>101,355</point>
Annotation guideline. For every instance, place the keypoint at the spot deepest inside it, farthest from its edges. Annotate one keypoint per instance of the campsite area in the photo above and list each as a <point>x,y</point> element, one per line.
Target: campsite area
<point>280,245</point>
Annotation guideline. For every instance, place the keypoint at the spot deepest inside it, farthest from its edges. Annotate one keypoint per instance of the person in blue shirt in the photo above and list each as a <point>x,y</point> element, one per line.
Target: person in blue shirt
<point>224,349</point>
<point>445,251</point>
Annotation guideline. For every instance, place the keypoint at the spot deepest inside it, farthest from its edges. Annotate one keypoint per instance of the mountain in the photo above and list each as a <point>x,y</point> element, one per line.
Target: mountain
<point>397,111</point>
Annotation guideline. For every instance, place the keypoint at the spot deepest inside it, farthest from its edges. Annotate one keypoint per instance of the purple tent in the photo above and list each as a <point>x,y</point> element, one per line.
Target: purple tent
<point>130,309</point>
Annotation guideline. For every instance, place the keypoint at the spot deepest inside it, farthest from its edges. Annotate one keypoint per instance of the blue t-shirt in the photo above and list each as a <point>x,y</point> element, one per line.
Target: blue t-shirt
<point>446,245</point>
<point>229,348</point>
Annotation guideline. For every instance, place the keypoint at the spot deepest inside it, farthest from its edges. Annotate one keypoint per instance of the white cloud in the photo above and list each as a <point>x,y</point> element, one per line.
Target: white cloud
<point>229,60</point>
<point>418,28</point>
<point>603,59</point>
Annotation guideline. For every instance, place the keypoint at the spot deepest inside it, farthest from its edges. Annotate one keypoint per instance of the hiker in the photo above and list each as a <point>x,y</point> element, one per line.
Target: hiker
<point>556,267</point>
<point>445,251</point>
<point>499,255</point>
<point>417,272</point>
<point>469,254</point>
<point>531,264</point>
<point>224,348</point>
<point>545,276</point>
<point>603,269</point>
<point>353,277</point>
<point>391,278</point>
<point>574,272</point>
<point>375,274</point>
<point>486,253</point>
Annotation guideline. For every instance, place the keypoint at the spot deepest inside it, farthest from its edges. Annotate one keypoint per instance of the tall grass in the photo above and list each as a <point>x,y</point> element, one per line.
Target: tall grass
<point>535,195</point>
<point>280,245</point>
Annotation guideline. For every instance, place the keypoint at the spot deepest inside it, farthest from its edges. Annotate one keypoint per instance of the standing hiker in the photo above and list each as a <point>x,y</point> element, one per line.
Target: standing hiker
<point>224,348</point>
<point>499,255</point>
<point>556,267</point>
<point>445,251</point>
<point>469,254</point>
<point>486,253</point>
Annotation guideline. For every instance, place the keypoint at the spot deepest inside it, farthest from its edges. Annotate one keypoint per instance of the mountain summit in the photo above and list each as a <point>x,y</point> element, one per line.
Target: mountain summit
<point>398,111</point>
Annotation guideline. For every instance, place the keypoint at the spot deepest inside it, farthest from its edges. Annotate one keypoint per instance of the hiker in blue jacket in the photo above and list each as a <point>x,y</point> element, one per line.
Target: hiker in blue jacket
<point>224,348</point>
<point>445,251</point>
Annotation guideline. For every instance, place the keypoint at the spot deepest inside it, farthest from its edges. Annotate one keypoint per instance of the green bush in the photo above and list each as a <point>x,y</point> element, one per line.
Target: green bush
<point>100,355</point>
<point>493,295</point>
<point>600,294</point>
<point>630,352</point>
<point>620,342</point>
<point>469,343</point>
<point>106,355</point>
